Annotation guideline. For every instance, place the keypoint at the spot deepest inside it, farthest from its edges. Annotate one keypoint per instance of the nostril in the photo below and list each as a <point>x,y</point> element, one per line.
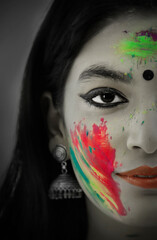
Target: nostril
<point>136,147</point>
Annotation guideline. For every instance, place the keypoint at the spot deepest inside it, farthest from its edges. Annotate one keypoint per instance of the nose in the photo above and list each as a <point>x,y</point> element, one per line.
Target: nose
<point>143,132</point>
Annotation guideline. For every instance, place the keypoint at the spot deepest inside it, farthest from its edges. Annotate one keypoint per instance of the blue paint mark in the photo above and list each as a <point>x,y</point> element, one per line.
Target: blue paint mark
<point>98,196</point>
<point>90,149</point>
<point>78,166</point>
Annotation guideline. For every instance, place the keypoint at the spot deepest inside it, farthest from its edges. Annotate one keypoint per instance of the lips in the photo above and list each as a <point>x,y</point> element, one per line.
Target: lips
<point>144,176</point>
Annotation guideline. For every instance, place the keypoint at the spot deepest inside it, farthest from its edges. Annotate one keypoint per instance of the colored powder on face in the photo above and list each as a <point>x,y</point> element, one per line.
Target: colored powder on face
<point>129,75</point>
<point>78,166</point>
<point>148,33</point>
<point>142,45</point>
<point>131,116</point>
<point>90,149</point>
<point>116,164</point>
<point>94,160</point>
<point>153,104</point>
<point>145,111</point>
<point>142,122</point>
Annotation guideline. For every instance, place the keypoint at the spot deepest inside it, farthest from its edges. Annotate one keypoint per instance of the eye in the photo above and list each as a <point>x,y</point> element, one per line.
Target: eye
<point>104,97</point>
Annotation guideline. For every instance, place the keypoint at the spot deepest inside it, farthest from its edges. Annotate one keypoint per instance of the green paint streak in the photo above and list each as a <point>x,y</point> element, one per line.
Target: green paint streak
<point>80,143</point>
<point>131,116</point>
<point>129,75</point>
<point>144,112</point>
<point>122,60</point>
<point>142,122</point>
<point>90,149</point>
<point>123,129</point>
<point>77,166</point>
<point>98,196</point>
<point>84,160</point>
<point>138,46</point>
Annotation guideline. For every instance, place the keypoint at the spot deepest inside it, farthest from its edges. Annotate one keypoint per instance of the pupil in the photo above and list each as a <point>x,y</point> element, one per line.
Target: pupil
<point>107,97</point>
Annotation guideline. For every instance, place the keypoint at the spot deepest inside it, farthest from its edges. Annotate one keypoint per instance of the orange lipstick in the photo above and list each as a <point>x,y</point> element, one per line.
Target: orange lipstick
<point>144,176</point>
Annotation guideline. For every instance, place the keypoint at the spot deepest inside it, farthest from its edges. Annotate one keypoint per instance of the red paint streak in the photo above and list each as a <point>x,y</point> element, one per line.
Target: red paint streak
<point>108,200</point>
<point>115,164</point>
<point>102,157</point>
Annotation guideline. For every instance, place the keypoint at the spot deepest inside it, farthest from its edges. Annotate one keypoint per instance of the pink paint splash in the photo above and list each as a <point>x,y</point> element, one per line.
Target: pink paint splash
<point>101,156</point>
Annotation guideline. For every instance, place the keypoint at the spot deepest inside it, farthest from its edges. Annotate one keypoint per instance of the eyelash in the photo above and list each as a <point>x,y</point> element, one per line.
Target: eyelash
<point>100,92</point>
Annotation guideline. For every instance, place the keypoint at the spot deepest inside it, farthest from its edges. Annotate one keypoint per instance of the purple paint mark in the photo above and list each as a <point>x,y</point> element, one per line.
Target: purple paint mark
<point>151,34</point>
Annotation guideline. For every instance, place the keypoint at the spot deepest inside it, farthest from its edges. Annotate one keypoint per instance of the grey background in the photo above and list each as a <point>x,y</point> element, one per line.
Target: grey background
<point>19,22</point>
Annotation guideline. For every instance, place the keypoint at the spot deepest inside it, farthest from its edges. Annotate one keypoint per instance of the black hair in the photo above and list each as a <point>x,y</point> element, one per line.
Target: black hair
<point>26,211</point>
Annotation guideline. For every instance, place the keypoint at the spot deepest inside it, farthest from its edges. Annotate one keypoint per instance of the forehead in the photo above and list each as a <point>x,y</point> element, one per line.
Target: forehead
<point>102,47</point>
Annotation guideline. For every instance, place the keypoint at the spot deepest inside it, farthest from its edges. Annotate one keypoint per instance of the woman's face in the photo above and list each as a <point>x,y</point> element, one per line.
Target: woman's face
<point>110,113</point>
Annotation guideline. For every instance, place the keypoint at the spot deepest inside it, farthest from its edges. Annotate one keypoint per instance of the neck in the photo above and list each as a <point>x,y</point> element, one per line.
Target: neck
<point>101,227</point>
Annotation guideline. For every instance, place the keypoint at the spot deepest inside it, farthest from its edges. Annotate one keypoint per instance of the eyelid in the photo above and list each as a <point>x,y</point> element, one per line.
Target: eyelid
<point>99,91</point>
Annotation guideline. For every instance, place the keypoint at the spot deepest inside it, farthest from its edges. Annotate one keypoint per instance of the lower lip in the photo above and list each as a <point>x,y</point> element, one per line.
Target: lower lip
<point>140,182</point>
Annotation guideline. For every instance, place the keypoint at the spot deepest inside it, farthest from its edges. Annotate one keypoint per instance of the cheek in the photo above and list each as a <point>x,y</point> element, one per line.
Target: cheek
<point>94,160</point>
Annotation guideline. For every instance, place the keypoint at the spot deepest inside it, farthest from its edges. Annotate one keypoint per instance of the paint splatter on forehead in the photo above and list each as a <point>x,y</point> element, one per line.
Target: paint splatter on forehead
<point>141,45</point>
<point>151,33</point>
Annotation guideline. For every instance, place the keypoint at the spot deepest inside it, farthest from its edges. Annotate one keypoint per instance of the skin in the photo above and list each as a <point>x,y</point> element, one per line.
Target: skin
<point>127,132</point>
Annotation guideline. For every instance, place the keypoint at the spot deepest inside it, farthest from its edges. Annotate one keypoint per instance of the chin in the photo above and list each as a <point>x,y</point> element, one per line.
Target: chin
<point>139,222</point>
<point>137,218</point>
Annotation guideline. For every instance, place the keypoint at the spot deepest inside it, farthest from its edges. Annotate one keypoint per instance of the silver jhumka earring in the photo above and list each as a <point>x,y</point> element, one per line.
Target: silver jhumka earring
<point>64,186</point>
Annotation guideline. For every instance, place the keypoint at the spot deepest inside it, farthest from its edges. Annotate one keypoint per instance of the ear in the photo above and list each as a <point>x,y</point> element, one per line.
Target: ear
<point>55,123</point>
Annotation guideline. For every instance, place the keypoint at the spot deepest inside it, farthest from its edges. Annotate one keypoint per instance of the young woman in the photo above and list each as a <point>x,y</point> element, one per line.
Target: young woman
<point>88,104</point>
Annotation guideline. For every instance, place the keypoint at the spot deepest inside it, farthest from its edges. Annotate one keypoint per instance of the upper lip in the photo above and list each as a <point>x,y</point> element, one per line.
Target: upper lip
<point>140,171</point>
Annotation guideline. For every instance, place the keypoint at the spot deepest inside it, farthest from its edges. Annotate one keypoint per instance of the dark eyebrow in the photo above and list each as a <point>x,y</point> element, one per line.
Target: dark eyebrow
<point>103,71</point>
